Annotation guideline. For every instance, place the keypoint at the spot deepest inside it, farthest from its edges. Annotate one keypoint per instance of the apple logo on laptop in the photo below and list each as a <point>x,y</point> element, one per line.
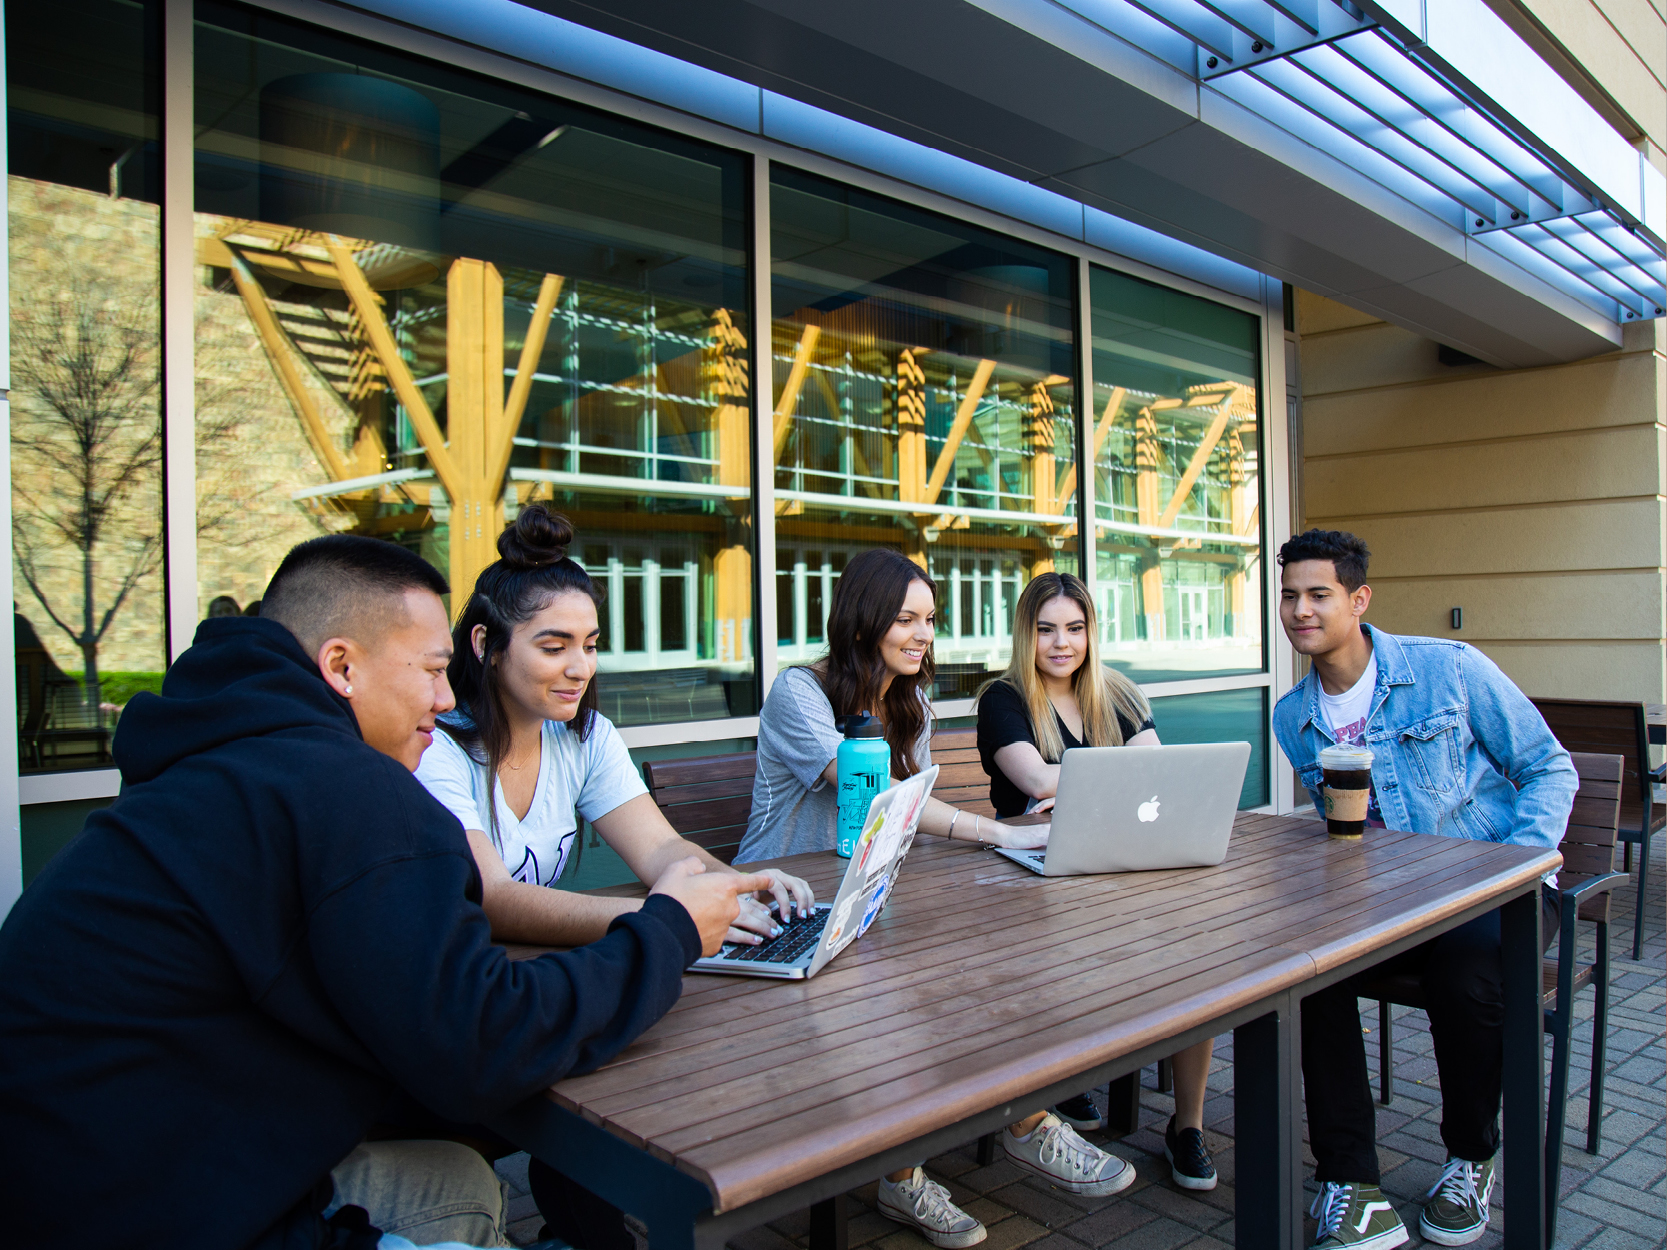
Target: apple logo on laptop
<point>1148,811</point>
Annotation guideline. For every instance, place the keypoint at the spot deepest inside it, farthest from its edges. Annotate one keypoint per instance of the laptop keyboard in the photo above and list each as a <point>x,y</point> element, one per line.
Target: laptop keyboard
<point>795,939</point>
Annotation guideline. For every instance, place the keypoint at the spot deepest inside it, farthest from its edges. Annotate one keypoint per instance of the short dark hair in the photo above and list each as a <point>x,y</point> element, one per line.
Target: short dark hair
<point>343,584</point>
<point>1347,553</point>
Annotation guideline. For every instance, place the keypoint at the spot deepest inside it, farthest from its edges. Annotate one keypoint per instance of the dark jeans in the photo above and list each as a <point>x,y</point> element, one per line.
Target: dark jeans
<point>1462,972</point>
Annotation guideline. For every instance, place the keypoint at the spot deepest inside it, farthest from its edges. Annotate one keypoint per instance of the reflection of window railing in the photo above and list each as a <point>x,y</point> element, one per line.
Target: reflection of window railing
<point>958,444</point>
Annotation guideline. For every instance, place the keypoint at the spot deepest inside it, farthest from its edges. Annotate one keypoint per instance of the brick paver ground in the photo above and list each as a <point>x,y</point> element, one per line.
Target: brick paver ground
<point>1613,1201</point>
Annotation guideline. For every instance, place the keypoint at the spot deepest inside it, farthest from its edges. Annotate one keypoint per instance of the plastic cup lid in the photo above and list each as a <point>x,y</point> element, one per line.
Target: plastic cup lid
<point>1345,757</point>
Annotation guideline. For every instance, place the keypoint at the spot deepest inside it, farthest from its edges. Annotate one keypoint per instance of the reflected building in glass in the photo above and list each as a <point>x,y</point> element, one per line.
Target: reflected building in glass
<point>1177,481</point>
<point>470,298</point>
<point>924,394</point>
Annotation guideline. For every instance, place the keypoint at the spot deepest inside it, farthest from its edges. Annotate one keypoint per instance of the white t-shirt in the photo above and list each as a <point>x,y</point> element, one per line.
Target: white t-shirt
<point>595,776</point>
<point>1346,713</point>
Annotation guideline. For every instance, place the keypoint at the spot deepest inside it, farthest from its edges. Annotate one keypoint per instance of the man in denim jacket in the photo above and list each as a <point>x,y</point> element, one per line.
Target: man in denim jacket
<point>1459,751</point>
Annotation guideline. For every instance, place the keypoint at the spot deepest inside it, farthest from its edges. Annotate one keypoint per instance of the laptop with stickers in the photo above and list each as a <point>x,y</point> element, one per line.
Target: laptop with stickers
<point>804,946</point>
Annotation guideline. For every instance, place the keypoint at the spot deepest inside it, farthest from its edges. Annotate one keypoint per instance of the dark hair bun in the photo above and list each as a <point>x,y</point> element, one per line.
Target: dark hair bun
<point>539,537</point>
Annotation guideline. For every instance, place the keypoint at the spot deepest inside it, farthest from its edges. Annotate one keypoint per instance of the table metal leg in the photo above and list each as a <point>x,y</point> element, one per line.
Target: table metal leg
<point>1123,1105</point>
<point>1267,1121</point>
<point>829,1228</point>
<point>1523,1173</point>
<point>669,1202</point>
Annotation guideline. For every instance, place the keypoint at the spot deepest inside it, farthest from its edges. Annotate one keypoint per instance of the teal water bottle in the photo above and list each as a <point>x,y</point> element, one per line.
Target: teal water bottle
<point>864,765</point>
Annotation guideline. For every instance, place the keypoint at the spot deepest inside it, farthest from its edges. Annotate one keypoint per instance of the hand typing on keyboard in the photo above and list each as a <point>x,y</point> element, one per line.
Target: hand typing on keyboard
<point>793,940</point>
<point>772,908</point>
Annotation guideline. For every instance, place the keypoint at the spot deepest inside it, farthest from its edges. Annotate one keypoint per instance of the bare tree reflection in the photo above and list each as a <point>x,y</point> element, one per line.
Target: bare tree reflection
<point>86,442</point>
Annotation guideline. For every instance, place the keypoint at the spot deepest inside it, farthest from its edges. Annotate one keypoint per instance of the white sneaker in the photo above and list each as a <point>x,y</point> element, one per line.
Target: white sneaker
<point>1054,1151</point>
<point>925,1205</point>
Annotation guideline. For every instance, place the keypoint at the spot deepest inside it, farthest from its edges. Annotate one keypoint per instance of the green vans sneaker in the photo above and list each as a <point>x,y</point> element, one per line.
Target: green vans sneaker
<point>1357,1217</point>
<point>1456,1208</point>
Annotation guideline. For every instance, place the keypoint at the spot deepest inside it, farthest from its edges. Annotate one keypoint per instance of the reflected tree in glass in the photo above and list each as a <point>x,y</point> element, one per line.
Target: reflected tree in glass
<point>87,447</point>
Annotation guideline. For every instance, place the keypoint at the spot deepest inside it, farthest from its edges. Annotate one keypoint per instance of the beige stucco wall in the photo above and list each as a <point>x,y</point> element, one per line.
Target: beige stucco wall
<point>1618,46</point>
<point>1533,499</point>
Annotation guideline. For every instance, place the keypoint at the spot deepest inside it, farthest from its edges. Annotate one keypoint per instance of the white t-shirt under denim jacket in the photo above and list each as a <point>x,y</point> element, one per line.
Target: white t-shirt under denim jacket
<point>594,777</point>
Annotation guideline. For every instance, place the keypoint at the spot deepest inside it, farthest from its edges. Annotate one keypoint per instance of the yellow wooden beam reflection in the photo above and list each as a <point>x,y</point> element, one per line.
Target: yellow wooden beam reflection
<point>789,401</point>
<point>958,429</point>
<point>532,347</point>
<point>280,351</point>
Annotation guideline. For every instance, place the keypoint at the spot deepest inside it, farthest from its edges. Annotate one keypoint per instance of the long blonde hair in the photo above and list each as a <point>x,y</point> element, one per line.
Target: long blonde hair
<point>1101,692</point>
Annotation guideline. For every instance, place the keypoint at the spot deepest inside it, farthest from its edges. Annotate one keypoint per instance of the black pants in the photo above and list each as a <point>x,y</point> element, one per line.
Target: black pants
<point>1463,978</point>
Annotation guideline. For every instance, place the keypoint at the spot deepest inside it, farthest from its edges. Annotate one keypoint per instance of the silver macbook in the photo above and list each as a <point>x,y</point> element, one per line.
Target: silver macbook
<point>805,945</point>
<point>1127,809</point>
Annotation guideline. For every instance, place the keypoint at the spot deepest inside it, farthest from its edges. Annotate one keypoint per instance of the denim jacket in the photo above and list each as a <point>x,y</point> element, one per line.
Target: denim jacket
<point>1457,749</point>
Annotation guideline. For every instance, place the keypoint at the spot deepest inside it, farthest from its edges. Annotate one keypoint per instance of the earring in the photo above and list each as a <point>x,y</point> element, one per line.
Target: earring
<point>348,690</point>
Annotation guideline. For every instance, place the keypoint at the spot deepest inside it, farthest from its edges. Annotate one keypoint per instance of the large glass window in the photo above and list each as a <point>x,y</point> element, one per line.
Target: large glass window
<point>86,410</point>
<point>426,299</point>
<point>924,399</point>
<point>1222,716</point>
<point>1177,481</point>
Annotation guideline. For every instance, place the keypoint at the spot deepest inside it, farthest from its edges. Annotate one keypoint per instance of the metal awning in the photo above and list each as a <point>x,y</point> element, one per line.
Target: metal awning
<point>1385,88</point>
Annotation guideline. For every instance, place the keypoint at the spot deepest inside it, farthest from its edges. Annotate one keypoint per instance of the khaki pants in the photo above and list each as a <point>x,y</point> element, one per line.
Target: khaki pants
<point>424,1191</point>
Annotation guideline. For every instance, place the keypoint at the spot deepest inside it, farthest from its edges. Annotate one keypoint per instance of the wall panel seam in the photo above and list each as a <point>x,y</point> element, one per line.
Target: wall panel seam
<point>1539,436</point>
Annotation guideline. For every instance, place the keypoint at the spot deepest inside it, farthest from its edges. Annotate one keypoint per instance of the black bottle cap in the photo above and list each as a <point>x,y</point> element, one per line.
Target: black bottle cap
<point>862,725</point>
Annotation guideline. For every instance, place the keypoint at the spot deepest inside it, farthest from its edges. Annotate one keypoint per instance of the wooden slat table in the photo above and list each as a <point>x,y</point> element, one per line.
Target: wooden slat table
<point>986,992</point>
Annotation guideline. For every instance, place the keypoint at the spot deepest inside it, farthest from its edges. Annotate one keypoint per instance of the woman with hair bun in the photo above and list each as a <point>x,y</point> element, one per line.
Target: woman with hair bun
<point>527,746</point>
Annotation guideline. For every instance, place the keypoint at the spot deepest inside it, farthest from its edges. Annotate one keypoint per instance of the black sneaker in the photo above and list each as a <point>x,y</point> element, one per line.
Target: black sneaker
<point>1080,1113</point>
<point>1189,1158</point>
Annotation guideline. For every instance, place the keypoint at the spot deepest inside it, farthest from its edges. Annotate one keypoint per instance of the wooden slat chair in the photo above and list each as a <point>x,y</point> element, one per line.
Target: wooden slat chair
<point>1585,881</point>
<point>707,800</point>
<point>962,781</point>
<point>1618,728</point>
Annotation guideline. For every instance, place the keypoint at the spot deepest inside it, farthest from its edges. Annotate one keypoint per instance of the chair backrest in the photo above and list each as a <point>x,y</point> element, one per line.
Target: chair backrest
<point>1605,728</point>
<point>962,781</point>
<point>707,800</point>
<point>1589,842</point>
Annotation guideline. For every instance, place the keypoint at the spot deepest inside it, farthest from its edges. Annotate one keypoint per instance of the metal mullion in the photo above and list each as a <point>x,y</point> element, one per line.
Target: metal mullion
<point>179,455</point>
<point>1291,15</point>
<point>1412,137</point>
<point>1608,236</point>
<point>1341,46</point>
<point>1259,74</point>
<point>1233,20</point>
<point>1524,236</point>
<point>11,840</point>
<point>1610,230</point>
<point>1210,44</point>
<point>764,451</point>
<point>1563,227</point>
<point>1087,532</point>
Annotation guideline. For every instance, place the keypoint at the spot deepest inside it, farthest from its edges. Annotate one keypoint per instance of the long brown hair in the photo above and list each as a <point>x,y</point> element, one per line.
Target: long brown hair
<point>532,569</point>
<point>1101,692</point>
<point>866,601</point>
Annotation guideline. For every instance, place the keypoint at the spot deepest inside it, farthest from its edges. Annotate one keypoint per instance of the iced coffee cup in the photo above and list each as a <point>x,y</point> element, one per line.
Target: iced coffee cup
<point>1347,790</point>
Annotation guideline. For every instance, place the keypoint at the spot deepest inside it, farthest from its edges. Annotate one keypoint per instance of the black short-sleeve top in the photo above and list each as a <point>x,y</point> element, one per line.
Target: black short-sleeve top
<point>1004,719</point>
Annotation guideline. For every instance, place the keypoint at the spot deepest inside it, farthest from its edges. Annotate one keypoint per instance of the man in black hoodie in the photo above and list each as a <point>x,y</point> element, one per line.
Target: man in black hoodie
<point>273,937</point>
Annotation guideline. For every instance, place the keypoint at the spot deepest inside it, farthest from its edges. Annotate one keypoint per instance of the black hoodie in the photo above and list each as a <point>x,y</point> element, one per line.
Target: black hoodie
<point>268,940</point>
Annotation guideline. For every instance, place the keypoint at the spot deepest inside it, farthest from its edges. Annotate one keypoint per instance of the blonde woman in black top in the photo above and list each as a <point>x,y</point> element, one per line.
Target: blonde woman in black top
<point>1056,695</point>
